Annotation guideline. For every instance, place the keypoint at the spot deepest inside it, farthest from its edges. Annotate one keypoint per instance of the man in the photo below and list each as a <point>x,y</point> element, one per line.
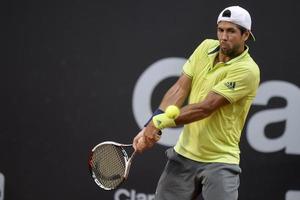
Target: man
<point>220,79</point>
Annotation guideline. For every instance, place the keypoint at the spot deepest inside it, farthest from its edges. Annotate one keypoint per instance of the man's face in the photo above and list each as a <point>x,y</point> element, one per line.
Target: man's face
<point>230,38</point>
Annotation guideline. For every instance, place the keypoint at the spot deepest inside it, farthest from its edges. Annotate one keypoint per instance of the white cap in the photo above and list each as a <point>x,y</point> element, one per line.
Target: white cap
<point>236,15</point>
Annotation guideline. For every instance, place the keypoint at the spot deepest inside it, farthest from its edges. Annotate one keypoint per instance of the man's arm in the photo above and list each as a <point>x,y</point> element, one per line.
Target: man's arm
<point>176,95</point>
<point>201,110</point>
<point>190,113</point>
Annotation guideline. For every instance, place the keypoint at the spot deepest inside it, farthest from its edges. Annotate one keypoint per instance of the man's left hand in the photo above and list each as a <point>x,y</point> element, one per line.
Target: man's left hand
<point>146,138</point>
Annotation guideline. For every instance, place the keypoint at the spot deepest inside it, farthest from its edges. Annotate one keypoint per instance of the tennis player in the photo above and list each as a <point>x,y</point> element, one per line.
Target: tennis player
<point>220,80</point>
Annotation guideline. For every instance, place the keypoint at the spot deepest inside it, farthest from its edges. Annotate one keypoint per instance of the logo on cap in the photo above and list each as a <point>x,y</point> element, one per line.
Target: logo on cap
<point>226,13</point>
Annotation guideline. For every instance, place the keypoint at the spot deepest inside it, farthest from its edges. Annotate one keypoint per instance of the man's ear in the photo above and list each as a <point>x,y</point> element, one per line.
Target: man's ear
<point>246,35</point>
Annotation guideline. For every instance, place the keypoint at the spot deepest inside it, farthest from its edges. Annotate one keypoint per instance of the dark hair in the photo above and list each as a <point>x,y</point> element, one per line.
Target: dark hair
<point>242,29</point>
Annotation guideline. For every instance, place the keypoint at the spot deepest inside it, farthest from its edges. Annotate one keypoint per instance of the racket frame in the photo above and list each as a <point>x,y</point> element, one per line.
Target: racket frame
<point>127,160</point>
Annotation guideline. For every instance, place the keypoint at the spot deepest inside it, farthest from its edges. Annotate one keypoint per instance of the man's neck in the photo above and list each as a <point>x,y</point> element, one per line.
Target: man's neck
<point>225,58</point>
<point>222,58</point>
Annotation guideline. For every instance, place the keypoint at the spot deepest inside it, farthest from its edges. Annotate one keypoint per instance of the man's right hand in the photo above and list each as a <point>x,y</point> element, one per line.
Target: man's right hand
<point>145,139</point>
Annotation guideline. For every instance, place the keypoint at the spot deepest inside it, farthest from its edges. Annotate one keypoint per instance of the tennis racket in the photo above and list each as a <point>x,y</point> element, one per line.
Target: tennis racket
<point>109,164</point>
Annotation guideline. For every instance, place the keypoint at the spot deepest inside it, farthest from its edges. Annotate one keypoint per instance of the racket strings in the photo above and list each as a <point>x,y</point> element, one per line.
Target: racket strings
<point>108,164</point>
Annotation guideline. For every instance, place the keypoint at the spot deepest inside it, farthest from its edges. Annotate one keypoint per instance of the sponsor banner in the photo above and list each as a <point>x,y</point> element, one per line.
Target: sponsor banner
<point>131,194</point>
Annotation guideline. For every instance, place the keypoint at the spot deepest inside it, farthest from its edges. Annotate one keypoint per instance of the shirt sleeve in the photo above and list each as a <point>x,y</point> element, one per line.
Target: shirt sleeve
<point>191,63</point>
<point>237,84</point>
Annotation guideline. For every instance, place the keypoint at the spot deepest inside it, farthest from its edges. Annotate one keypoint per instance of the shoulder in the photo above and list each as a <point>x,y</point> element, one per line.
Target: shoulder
<point>209,43</point>
<point>249,65</point>
<point>206,46</point>
<point>246,71</point>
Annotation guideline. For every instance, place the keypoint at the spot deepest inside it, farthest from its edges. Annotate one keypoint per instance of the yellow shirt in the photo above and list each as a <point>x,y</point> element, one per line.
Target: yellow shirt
<point>216,138</point>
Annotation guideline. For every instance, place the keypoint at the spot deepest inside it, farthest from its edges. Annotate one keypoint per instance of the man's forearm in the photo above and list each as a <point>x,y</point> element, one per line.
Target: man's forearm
<point>177,94</point>
<point>191,113</point>
<point>194,112</point>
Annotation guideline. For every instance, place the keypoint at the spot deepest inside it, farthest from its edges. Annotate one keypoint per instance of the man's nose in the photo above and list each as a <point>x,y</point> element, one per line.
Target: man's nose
<point>224,36</point>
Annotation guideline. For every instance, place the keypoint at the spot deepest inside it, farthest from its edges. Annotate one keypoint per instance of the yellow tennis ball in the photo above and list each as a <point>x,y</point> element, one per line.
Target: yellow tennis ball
<point>172,111</point>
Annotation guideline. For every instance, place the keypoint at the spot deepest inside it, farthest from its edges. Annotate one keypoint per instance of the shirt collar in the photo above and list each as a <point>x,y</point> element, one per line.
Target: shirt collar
<point>214,50</point>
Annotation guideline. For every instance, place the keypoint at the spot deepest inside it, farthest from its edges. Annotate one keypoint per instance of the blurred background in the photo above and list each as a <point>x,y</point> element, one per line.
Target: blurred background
<point>76,73</point>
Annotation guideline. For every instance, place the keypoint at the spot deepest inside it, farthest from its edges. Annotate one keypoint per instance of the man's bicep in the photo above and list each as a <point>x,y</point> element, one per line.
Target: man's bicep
<point>178,92</point>
<point>185,82</point>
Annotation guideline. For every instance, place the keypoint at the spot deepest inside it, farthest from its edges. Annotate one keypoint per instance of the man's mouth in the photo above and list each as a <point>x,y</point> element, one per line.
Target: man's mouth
<point>224,46</point>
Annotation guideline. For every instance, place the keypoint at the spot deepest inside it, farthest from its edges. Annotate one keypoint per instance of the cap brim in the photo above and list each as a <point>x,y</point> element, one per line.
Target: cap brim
<point>252,36</point>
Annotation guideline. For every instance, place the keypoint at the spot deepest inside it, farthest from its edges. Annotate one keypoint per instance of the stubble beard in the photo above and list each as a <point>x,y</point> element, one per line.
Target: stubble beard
<point>233,52</point>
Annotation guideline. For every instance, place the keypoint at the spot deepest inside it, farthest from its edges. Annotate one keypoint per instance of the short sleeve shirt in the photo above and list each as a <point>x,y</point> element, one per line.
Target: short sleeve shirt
<point>216,138</point>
